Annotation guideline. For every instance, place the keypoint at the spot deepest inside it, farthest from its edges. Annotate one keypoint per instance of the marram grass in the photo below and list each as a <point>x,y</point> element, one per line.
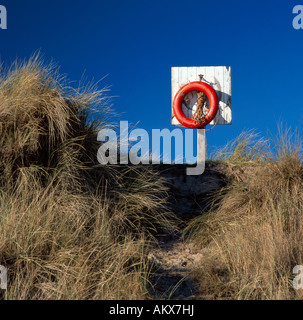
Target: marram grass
<point>69,228</point>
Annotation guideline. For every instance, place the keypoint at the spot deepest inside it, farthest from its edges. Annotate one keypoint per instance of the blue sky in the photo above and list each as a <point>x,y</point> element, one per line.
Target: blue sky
<point>135,43</point>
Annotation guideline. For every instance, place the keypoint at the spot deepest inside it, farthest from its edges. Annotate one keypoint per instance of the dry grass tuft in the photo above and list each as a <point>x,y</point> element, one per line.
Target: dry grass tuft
<point>69,228</point>
<point>253,234</point>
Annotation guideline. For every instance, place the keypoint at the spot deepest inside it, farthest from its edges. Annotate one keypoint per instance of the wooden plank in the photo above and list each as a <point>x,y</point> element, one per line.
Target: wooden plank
<point>227,82</point>
<point>183,80</point>
<point>191,97</point>
<point>219,85</point>
<point>174,89</point>
<point>212,82</point>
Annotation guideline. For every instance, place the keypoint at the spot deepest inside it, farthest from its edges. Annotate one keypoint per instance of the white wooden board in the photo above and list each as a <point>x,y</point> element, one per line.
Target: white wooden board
<point>218,77</point>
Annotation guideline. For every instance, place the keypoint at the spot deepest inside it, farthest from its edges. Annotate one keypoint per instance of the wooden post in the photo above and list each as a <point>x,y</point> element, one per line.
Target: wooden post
<point>201,155</point>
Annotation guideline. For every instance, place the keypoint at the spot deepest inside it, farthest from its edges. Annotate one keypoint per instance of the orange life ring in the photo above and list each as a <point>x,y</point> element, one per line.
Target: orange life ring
<point>213,104</point>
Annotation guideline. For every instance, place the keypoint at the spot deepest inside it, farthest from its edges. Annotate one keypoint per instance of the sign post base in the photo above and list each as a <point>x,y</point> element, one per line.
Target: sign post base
<point>201,154</point>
